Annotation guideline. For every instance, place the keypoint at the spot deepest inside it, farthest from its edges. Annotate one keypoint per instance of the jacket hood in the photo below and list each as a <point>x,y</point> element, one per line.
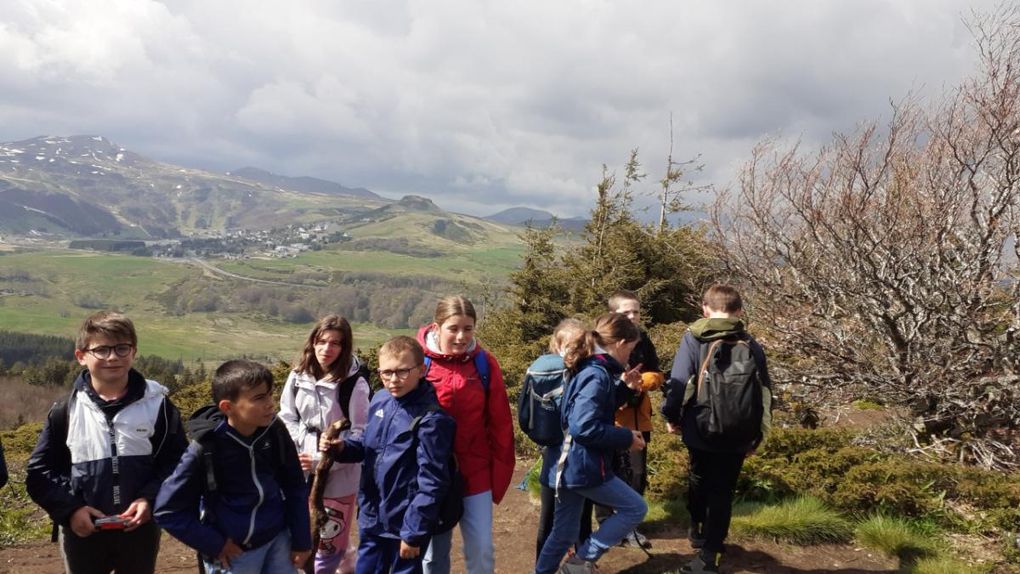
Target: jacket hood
<point>429,341</point>
<point>709,329</point>
<point>604,360</point>
<point>355,365</point>
<point>204,421</point>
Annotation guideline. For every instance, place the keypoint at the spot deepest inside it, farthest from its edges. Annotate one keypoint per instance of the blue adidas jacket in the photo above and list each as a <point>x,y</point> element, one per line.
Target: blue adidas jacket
<point>76,462</point>
<point>254,501</point>
<point>590,400</point>
<point>401,487</point>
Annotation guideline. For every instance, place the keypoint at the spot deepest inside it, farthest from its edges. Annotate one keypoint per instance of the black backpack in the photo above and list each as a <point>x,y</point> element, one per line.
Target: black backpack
<point>451,508</point>
<point>538,408</point>
<point>727,399</point>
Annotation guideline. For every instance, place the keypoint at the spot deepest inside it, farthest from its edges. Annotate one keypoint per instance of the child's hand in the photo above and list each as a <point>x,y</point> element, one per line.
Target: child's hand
<point>638,442</point>
<point>325,444</point>
<point>298,559</point>
<point>81,521</point>
<point>306,461</point>
<point>672,429</point>
<point>137,514</point>
<point>632,377</point>
<point>408,552</point>
<point>229,552</point>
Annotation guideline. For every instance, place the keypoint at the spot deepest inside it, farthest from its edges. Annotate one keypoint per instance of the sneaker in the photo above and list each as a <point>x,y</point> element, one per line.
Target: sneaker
<point>575,565</point>
<point>703,564</point>
<point>696,535</point>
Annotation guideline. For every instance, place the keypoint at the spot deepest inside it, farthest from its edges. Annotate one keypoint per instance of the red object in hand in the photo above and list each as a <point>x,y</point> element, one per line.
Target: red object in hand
<point>111,523</point>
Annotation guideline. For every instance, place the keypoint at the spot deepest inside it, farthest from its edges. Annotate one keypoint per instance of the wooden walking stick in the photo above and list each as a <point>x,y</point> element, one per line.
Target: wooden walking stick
<point>319,478</point>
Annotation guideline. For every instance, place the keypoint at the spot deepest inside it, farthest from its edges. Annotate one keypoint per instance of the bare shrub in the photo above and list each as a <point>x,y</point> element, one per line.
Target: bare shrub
<point>877,263</point>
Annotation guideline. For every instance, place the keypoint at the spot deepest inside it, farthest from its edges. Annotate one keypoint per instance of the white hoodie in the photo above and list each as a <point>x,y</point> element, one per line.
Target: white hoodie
<point>306,403</point>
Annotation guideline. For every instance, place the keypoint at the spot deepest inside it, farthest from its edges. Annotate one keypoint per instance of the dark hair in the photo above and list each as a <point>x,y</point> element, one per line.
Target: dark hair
<point>453,306</point>
<point>237,375</point>
<point>619,296</point>
<point>722,298</point>
<point>307,363</point>
<point>403,344</point>
<point>609,328</point>
<point>111,324</point>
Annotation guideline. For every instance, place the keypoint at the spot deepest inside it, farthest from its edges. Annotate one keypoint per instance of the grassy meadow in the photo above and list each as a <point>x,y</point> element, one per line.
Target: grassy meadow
<point>48,292</point>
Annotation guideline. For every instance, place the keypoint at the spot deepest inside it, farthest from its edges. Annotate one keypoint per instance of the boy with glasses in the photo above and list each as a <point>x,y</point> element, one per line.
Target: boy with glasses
<point>406,474</point>
<point>103,453</point>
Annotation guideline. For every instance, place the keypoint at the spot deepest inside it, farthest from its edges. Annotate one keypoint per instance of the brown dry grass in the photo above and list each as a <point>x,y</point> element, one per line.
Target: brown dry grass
<point>21,402</point>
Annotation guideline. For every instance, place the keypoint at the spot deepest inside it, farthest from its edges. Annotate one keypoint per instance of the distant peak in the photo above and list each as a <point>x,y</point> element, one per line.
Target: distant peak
<point>417,203</point>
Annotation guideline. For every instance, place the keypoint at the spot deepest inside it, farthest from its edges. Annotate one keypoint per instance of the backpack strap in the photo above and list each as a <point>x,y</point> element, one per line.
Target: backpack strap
<point>345,389</point>
<point>60,421</point>
<point>481,367</point>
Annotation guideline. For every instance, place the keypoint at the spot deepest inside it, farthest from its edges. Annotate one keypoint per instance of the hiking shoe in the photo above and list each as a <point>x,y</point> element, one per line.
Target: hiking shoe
<point>575,565</point>
<point>701,564</point>
<point>696,535</point>
<point>635,539</point>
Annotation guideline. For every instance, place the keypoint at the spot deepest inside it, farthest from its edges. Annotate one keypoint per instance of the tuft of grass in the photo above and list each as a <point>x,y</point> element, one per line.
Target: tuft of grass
<point>867,405</point>
<point>803,520</point>
<point>897,537</point>
<point>946,565</point>
<point>673,512</point>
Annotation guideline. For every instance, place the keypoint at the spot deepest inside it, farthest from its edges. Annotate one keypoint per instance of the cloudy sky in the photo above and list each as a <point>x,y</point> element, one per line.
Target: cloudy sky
<point>479,104</point>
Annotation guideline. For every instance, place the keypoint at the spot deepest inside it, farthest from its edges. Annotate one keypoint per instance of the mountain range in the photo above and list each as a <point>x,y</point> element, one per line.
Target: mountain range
<point>88,186</point>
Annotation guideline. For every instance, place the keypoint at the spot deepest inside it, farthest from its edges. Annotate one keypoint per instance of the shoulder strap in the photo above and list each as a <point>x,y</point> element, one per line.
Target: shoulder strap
<point>206,454</point>
<point>60,421</point>
<point>706,355</point>
<point>481,366</point>
<point>416,421</point>
<point>345,389</point>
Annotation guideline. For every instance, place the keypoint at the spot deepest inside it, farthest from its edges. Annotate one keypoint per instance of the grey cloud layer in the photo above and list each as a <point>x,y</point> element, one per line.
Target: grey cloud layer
<point>479,104</point>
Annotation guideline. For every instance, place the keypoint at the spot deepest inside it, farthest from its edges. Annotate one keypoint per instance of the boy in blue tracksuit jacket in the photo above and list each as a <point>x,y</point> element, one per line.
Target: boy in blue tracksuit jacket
<point>251,515</point>
<point>405,477</point>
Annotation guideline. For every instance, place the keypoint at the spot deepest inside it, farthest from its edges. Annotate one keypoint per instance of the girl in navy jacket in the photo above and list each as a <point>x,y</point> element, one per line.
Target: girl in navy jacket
<point>583,469</point>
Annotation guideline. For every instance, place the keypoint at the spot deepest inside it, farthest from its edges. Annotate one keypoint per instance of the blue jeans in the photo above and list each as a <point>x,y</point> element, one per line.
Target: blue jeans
<point>476,530</point>
<point>616,494</point>
<point>272,557</point>
<point>378,555</point>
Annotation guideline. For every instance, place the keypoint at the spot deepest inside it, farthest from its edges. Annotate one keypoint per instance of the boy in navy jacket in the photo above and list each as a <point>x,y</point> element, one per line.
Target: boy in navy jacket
<point>103,452</point>
<point>255,519</point>
<point>714,466</point>
<point>405,477</point>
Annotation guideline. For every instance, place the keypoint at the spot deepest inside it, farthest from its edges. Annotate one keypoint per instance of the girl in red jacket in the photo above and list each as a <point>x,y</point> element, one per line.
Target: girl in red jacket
<point>484,443</point>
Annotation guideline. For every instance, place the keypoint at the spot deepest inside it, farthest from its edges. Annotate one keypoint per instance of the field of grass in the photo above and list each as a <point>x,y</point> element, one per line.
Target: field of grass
<point>64,286</point>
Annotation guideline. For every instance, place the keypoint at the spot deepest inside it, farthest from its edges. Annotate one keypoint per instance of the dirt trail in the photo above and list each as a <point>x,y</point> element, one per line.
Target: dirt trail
<point>514,532</point>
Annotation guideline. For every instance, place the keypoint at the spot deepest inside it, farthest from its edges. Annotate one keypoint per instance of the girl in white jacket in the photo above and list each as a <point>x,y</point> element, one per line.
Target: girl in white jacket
<point>327,385</point>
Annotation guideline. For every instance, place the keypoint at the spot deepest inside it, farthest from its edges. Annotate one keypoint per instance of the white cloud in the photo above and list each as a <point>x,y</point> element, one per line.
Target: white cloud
<point>480,105</point>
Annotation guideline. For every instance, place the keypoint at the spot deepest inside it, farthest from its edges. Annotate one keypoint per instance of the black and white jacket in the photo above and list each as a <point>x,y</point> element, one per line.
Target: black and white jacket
<point>105,454</point>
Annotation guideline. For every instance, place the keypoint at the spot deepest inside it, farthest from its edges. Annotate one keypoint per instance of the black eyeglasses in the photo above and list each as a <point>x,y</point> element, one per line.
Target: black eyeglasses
<point>398,373</point>
<point>103,351</point>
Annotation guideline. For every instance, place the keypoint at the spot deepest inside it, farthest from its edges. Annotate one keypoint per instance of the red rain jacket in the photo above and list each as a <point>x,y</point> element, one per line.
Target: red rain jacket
<point>484,443</point>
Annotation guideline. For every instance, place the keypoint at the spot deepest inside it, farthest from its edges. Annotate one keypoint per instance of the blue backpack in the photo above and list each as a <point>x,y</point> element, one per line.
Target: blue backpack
<point>538,408</point>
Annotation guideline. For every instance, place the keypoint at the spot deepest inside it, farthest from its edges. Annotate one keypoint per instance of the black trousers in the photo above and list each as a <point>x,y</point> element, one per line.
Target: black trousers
<point>111,550</point>
<point>548,512</point>
<point>711,482</point>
